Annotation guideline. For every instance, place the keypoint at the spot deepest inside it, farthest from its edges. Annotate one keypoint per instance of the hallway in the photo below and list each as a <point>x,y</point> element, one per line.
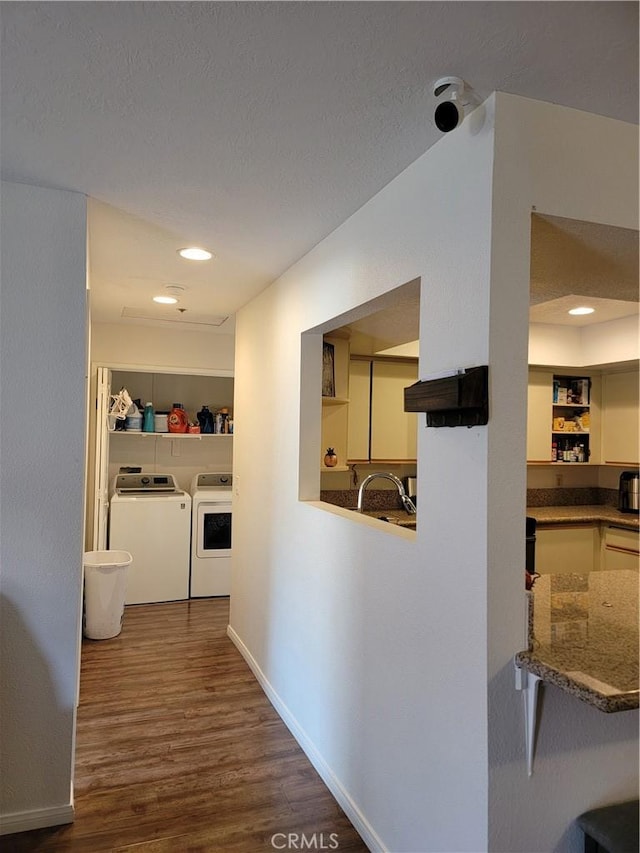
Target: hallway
<point>179,750</point>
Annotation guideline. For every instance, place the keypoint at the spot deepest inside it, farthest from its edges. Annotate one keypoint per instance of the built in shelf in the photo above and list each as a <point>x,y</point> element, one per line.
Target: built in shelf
<point>173,434</point>
<point>334,401</point>
<point>542,462</point>
<point>336,468</point>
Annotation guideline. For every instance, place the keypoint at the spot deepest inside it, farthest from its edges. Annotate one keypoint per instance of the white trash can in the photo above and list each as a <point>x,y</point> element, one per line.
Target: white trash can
<point>105,583</point>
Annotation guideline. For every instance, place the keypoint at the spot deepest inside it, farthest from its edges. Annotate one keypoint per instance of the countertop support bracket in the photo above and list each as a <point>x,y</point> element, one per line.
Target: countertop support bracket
<point>528,683</point>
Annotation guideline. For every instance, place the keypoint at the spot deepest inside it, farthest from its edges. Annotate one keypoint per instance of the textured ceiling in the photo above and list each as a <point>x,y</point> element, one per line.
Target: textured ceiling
<point>556,311</point>
<point>584,258</point>
<point>256,128</point>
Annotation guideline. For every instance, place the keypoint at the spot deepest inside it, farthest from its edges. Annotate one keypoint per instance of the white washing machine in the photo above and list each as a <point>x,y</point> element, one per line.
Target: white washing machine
<point>211,535</point>
<point>150,517</point>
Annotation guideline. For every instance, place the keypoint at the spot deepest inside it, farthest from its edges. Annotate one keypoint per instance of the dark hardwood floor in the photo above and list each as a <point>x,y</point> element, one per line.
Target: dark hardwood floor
<point>179,750</point>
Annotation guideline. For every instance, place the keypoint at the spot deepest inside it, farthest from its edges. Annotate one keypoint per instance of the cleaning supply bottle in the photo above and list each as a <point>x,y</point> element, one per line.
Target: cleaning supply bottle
<point>148,420</point>
<point>133,421</point>
<point>205,419</point>
<point>178,421</point>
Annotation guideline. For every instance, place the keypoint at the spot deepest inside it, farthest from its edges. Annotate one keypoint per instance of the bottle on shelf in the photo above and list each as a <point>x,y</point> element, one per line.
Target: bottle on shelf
<point>178,421</point>
<point>133,421</point>
<point>205,419</point>
<point>148,419</point>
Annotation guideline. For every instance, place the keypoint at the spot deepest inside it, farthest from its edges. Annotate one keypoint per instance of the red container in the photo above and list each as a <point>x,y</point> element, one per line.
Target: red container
<point>178,421</point>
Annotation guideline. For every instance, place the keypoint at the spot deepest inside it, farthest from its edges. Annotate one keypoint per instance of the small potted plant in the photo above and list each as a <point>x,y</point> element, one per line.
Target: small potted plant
<point>330,458</point>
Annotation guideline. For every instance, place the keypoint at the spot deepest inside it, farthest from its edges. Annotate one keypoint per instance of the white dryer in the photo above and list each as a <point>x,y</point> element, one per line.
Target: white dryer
<point>211,535</point>
<point>150,516</point>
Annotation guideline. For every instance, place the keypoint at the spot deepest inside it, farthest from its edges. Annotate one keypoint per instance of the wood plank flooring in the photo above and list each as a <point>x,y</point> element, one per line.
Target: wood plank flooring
<point>180,751</point>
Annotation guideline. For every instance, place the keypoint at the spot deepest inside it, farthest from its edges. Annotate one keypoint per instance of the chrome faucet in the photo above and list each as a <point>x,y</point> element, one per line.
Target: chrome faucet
<point>407,503</point>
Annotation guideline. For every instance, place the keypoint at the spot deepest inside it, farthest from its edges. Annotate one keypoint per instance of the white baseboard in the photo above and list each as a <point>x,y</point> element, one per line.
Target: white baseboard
<point>364,828</point>
<point>36,819</point>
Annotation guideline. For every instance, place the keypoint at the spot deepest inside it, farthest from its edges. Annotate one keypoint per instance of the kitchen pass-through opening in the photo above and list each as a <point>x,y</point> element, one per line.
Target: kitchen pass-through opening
<point>354,370</point>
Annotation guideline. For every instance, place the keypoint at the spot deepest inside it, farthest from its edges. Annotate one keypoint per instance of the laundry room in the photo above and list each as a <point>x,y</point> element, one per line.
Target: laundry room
<point>145,464</point>
<point>183,453</point>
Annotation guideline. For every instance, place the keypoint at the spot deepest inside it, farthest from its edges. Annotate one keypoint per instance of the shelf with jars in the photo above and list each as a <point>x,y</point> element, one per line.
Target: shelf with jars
<point>571,419</point>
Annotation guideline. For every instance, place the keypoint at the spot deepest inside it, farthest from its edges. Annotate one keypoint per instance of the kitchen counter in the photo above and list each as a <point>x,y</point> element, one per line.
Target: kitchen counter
<point>397,517</point>
<point>583,637</point>
<point>583,514</point>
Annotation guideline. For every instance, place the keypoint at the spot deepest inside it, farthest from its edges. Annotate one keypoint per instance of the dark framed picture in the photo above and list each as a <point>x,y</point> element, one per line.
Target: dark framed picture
<point>328,373</point>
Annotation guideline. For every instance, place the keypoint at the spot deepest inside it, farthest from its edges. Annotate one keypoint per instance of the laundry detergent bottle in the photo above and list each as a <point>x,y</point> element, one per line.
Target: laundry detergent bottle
<point>178,421</point>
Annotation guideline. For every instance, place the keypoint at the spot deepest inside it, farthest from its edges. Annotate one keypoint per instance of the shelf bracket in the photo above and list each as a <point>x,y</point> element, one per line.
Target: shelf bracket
<point>528,683</point>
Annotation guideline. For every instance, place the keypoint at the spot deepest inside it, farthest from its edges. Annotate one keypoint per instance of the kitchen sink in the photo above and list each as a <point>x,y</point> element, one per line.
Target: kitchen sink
<point>407,522</point>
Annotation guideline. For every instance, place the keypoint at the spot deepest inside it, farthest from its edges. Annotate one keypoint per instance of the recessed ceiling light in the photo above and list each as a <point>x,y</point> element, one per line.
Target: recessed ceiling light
<point>193,253</point>
<point>581,310</point>
<point>171,296</point>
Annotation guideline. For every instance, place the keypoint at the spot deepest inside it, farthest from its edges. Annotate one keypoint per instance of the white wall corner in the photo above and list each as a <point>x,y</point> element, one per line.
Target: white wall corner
<point>36,819</point>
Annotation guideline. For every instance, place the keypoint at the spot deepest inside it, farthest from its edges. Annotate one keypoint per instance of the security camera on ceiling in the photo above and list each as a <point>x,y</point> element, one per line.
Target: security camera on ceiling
<point>454,106</point>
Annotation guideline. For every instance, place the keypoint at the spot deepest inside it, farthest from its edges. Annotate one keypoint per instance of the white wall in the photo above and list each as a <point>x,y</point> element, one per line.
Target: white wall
<point>597,343</point>
<point>163,348</point>
<point>43,357</point>
<point>554,345</point>
<point>391,659</point>
<point>564,163</point>
<point>373,642</point>
<point>608,343</point>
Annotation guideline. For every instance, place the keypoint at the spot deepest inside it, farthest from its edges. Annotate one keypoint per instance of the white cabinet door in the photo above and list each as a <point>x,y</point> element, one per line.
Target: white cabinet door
<point>620,401</point>
<point>539,424</point>
<point>393,431</point>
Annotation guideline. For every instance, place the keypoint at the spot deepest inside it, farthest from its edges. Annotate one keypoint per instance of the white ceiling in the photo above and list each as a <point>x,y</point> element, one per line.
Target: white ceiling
<point>255,128</point>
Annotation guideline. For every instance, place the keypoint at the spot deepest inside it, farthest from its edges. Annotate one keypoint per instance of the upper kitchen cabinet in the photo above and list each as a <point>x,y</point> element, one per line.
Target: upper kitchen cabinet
<point>379,428</point>
<point>539,399</point>
<point>359,410</point>
<point>563,418</point>
<point>393,431</point>
<point>620,401</point>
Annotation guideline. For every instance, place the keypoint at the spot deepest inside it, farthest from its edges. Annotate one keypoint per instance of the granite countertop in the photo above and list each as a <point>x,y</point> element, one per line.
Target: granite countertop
<point>394,516</point>
<point>583,637</point>
<point>583,514</point>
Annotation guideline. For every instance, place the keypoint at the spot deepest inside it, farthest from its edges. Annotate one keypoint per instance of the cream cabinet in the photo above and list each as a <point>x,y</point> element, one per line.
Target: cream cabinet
<point>620,548</point>
<point>570,548</point>
<point>393,431</point>
<point>563,418</point>
<point>539,417</point>
<point>620,402</point>
<point>379,428</point>
<point>359,410</point>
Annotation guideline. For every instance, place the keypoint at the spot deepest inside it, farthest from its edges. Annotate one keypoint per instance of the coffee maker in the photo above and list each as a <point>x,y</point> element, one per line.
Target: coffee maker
<point>628,492</point>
